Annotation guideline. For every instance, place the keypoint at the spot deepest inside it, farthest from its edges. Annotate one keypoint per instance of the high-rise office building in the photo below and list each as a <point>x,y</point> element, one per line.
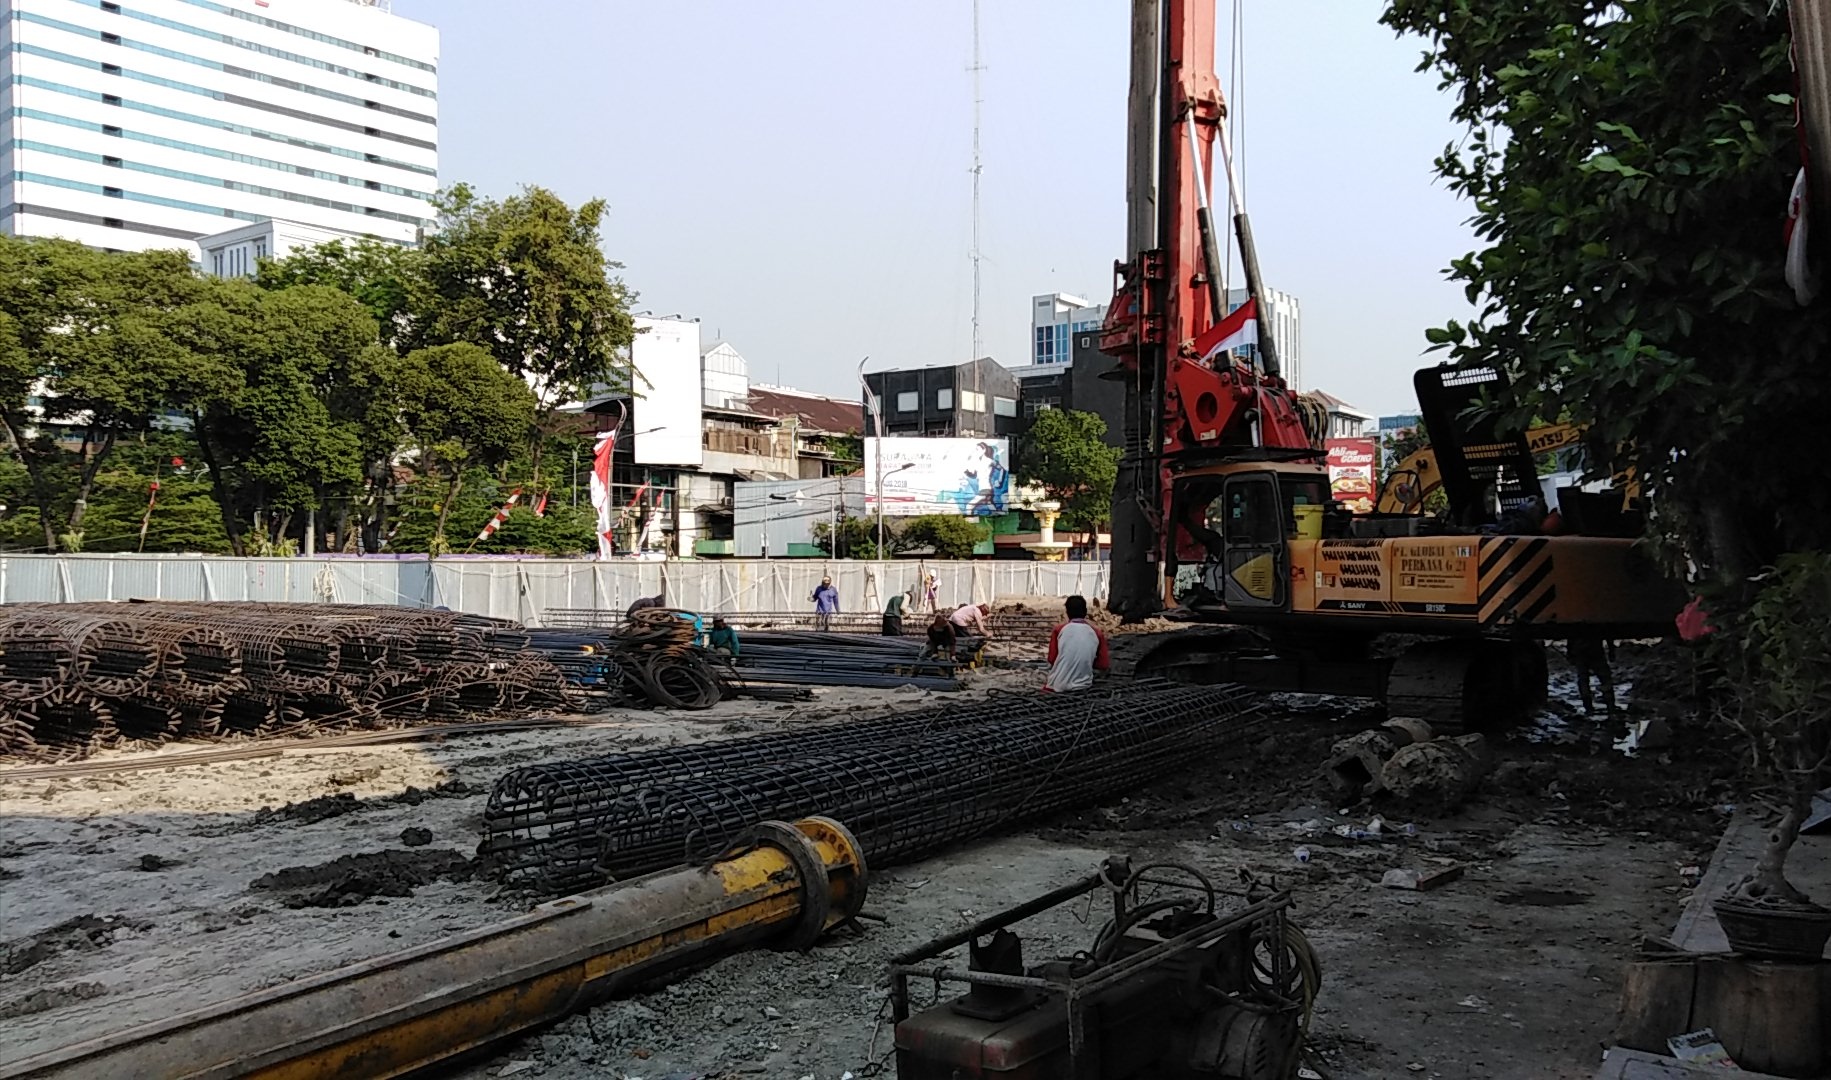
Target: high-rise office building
<point>1055,318</point>
<point>135,124</point>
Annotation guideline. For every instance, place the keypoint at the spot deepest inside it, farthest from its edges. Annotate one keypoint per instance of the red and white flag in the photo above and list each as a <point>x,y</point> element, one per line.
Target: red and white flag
<point>1240,327</point>
<point>502,515</point>
<point>540,506</point>
<point>600,490</point>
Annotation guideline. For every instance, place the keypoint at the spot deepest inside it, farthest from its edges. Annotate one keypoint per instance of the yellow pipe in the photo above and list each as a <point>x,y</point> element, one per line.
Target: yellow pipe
<point>403,1012</point>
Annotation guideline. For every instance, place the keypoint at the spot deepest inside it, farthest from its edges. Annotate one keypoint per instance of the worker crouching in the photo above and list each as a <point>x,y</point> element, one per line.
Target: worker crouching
<point>1077,649</point>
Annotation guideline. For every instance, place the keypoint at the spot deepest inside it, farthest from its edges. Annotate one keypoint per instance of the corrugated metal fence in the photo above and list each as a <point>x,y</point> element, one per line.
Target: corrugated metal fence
<point>523,588</point>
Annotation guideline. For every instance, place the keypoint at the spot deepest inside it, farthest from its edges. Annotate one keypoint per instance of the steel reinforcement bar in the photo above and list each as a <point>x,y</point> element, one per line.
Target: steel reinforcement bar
<point>913,784</point>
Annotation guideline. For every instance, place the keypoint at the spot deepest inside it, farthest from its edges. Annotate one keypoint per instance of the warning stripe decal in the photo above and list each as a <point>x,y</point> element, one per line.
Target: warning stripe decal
<point>1515,583</point>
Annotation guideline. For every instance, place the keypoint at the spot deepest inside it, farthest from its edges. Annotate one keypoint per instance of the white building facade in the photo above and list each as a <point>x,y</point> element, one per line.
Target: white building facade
<point>136,124</point>
<point>1055,318</point>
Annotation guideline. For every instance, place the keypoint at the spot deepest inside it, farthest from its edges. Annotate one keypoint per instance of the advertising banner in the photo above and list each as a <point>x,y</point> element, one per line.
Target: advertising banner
<point>970,477</point>
<point>1351,473</point>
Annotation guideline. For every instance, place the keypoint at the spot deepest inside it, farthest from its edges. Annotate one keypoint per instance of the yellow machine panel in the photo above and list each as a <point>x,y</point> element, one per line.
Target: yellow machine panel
<point>1495,580</point>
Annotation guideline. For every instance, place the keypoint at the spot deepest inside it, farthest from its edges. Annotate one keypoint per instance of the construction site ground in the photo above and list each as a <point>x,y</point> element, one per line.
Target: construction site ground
<point>130,897</point>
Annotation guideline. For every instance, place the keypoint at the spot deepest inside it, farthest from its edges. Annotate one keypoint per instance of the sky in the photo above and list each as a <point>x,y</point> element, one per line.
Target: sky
<point>798,175</point>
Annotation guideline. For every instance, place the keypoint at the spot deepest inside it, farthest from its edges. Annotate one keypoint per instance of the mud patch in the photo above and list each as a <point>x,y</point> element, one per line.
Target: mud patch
<point>85,933</point>
<point>1544,898</point>
<point>351,879</point>
<point>50,997</point>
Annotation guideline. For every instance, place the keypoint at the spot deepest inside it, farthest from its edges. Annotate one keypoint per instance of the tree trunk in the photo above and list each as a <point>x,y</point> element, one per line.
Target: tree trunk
<point>1768,883</point>
<point>219,489</point>
<point>451,496</point>
<point>35,476</point>
<point>92,465</point>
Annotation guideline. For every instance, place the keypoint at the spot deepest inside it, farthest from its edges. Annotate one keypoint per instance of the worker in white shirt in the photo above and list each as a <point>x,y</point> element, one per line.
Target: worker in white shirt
<point>1077,649</point>
<point>970,618</point>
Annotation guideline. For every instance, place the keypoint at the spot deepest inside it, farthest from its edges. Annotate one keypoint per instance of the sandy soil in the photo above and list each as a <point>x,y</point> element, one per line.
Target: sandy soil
<point>173,880</point>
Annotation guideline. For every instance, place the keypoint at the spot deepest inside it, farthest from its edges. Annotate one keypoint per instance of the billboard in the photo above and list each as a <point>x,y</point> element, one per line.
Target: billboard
<point>1351,476</point>
<point>665,355</point>
<point>1401,422</point>
<point>939,476</point>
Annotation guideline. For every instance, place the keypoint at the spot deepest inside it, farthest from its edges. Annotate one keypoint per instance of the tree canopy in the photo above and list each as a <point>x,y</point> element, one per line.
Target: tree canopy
<point>299,395</point>
<point>1629,165</point>
<point>1064,454</point>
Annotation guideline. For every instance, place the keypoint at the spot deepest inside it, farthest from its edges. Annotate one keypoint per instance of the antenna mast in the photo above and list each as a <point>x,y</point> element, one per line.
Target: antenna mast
<point>977,169</point>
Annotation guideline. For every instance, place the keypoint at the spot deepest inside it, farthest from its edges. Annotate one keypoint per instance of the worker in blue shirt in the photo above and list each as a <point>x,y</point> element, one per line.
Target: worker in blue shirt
<point>723,638</point>
<point>826,604</point>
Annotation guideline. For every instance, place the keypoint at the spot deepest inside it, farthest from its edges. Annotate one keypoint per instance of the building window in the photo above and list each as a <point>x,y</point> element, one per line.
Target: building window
<point>113,223</point>
<point>1031,408</point>
<point>114,193</point>
<point>944,398</point>
<point>260,249</point>
<point>1004,406</point>
<point>111,99</point>
<point>908,401</point>
<point>111,69</point>
<point>110,39</point>
<point>110,129</point>
<point>216,263</point>
<point>972,401</point>
<point>112,162</point>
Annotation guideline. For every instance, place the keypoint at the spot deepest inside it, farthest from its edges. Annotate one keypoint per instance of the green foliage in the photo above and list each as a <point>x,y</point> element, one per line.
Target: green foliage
<point>463,410</point>
<point>1628,164</point>
<point>382,277</point>
<point>1063,453</point>
<point>526,278</point>
<point>947,535</point>
<point>89,337</point>
<point>1772,654</point>
<point>858,538</point>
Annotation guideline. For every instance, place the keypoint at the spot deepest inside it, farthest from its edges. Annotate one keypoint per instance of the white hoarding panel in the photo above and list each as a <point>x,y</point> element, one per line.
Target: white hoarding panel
<point>667,414</point>
<point>939,476</point>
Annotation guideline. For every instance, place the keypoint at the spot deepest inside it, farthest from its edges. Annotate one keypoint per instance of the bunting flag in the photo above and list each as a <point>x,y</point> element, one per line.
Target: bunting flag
<point>1240,327</point>
<point>600,491</point>
<point>540,506</point>
<point>502,515</point>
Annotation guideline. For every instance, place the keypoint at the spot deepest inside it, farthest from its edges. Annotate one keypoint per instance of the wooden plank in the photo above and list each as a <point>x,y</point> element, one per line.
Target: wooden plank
<point>1656,1000</point>
<point>1768,1016</point>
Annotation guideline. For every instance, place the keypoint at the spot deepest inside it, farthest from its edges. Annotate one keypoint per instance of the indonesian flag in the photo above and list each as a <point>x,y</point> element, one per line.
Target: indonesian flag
<point>600,491</point>
<point>1240,327</point>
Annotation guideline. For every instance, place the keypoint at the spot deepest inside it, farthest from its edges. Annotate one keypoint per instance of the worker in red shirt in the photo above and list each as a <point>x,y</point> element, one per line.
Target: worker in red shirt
<point>1077,649</point>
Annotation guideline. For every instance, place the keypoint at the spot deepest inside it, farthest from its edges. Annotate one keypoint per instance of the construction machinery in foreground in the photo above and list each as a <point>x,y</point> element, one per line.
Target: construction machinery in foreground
<point>1223,512</point>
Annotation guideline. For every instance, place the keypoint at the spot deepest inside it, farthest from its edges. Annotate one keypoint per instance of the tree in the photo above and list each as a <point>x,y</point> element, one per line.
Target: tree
<point>85,347</point>
<point>857,538</point>
<point>1629,163</point>
<point>1064,454</point>
<point>305,413</point>
<point>463,410</point>
<point>947,535</point>
<point>526,278</point>
<point>382,277</point>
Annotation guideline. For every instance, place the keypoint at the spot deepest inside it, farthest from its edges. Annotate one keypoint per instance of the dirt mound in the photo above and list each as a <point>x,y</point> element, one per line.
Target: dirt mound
<point>84,933</point>
<point>350,879</point>
<point>48,998</point>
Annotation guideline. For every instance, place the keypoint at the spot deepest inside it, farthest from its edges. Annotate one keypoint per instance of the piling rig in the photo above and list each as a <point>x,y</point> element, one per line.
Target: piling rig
<point>1221,451</point>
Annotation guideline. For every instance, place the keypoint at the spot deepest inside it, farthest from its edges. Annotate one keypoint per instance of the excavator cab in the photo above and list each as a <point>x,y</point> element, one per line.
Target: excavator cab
<point>1235,524</point>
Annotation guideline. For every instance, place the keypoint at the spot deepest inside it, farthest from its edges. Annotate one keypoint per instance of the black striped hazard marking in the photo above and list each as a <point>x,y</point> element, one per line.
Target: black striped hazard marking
<point>1515,582</point>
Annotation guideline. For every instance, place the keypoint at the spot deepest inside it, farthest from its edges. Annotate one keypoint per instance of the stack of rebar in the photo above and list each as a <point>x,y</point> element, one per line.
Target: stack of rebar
<point>907,785</point>
<point>1027,627</point>
<point>816,659</point>
<point>75,677</point>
